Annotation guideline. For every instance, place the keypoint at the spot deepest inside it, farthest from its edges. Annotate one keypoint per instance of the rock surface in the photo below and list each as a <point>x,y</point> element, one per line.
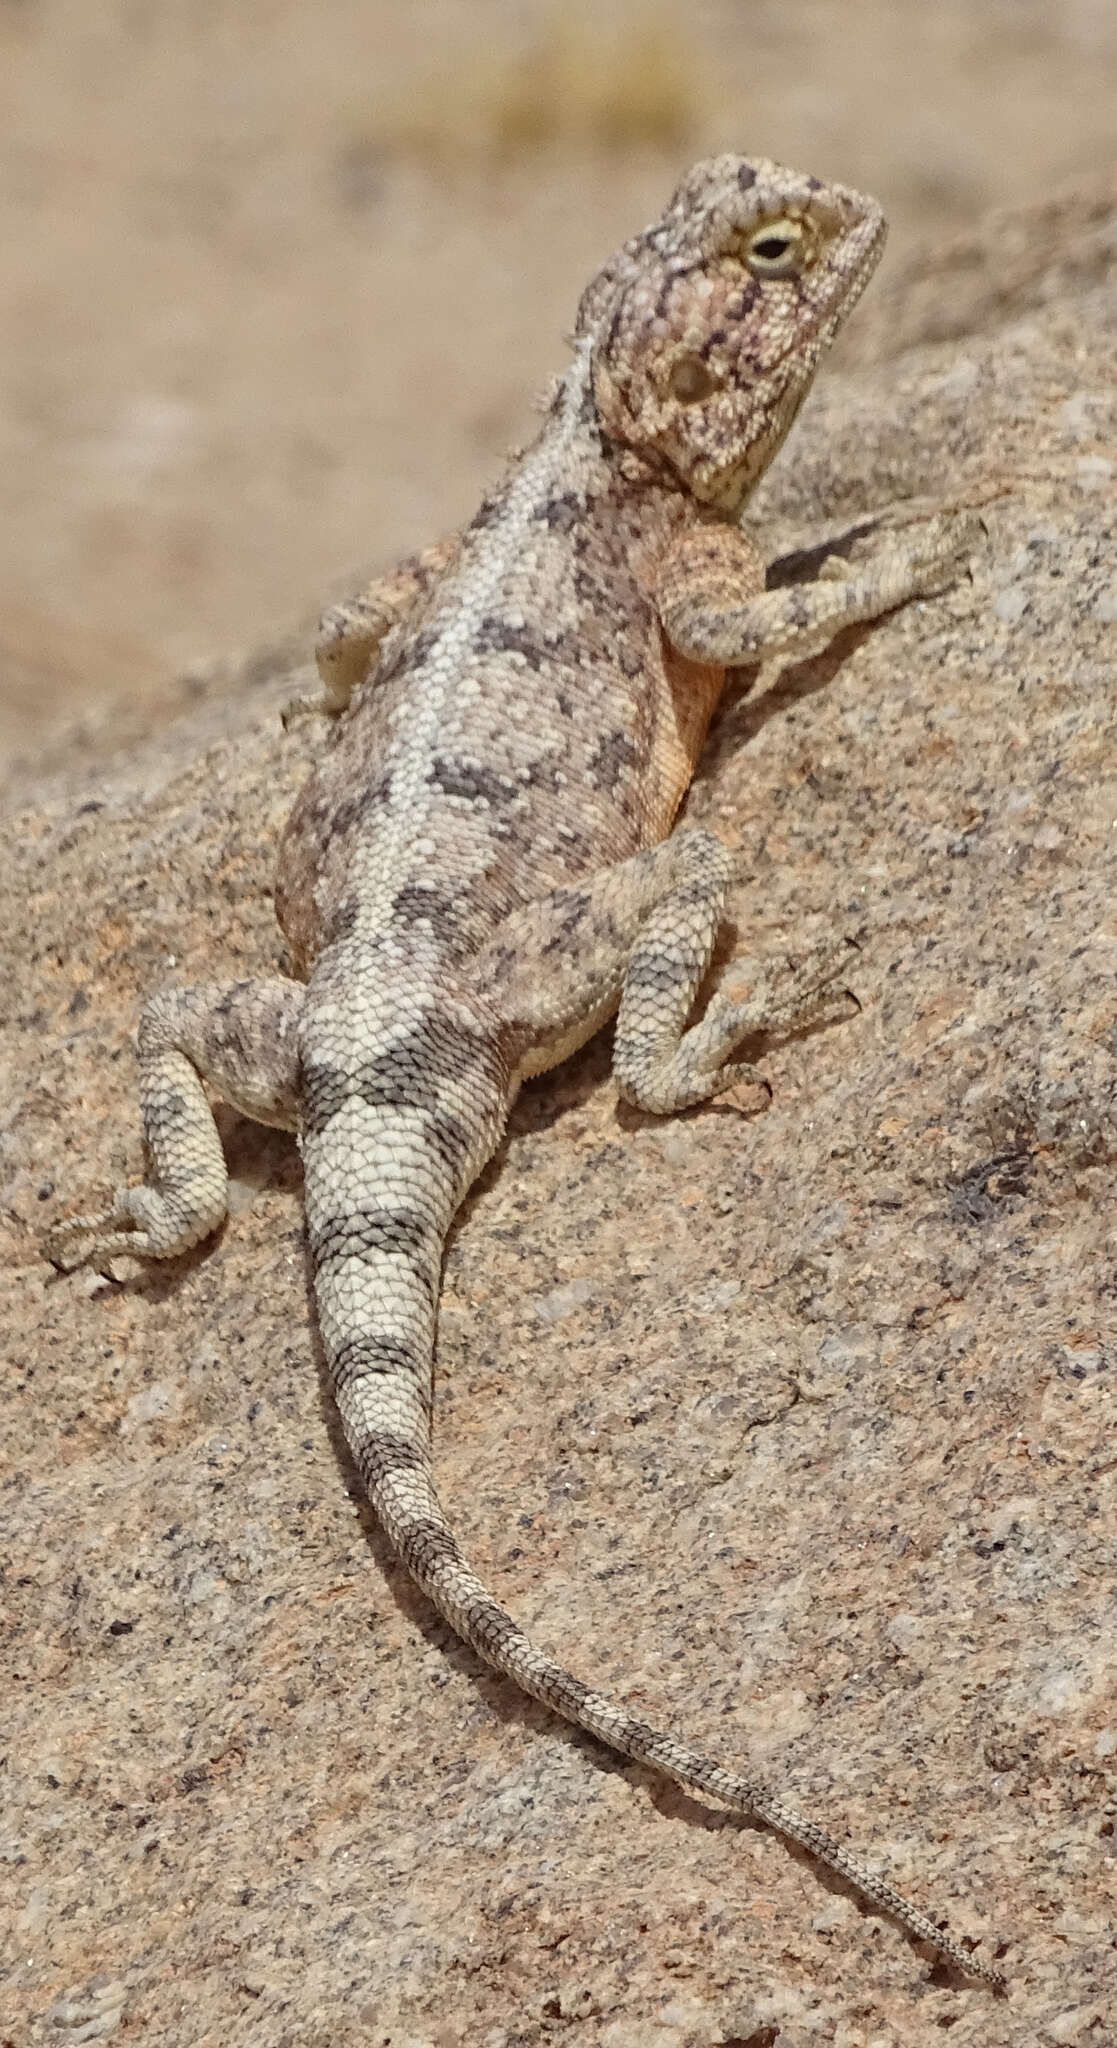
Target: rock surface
<point>793,1426</point>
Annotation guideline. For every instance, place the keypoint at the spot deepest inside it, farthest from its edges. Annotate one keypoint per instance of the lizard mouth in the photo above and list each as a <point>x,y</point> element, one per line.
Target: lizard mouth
<point>864,247</point>
<point>812,329</point>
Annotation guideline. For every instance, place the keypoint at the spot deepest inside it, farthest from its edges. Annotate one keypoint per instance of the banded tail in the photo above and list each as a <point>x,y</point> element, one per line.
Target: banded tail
<point>394,1133</point>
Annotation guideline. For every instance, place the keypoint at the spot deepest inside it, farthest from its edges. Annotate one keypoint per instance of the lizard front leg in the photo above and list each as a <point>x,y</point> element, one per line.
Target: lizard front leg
<point>640,934</point>
<point>713,605</point>
<point>241,1037</point>
<point>351,632</point>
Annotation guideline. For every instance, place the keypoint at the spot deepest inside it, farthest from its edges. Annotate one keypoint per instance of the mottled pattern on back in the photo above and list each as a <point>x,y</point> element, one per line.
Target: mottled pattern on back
<point>468,774</point>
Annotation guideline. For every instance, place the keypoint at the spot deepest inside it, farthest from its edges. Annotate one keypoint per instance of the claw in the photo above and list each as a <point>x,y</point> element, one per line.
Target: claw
<point>110,1232</point>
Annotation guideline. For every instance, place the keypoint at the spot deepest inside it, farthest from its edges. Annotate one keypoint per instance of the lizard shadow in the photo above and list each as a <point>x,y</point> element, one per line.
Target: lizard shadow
<point>740,715</point>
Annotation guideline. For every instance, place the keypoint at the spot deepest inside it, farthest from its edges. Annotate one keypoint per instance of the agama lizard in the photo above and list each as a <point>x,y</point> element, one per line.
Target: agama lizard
<point>479,871</point>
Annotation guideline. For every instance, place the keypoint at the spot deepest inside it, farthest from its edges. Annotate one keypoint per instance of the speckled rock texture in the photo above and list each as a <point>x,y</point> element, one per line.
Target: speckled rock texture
<point>790,1422</point>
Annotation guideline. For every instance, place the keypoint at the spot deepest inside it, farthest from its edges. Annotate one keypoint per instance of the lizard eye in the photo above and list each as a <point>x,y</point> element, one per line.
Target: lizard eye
<point>691,379</point>
<point>779,249</point>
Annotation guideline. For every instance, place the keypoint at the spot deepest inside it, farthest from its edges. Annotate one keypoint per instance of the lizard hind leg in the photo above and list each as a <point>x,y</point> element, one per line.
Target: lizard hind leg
<point>660,1063</point>
<point>641,934</point>
<point>663,1069</point>
<point>241,1037</point>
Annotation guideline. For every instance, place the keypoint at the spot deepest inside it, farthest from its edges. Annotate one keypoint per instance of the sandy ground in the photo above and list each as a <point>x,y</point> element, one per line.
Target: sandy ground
<point>280,281</point>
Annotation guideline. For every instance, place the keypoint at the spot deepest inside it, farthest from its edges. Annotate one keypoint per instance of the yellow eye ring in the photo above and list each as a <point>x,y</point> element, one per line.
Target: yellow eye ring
<point>779,248</point>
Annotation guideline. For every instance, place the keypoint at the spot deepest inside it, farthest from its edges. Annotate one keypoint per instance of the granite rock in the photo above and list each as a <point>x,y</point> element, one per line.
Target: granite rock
<point>789,1422</point>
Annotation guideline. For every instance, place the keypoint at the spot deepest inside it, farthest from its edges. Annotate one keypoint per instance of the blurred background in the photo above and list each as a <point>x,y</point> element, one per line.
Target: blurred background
<point>279,280</point>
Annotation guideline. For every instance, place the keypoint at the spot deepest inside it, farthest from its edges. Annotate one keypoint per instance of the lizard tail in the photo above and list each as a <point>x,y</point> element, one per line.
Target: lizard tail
<point>409,1510</point>
<point>377,1268</point>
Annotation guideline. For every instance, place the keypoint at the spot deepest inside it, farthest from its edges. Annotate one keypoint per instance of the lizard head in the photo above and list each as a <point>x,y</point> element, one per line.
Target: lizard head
<point>705,331</point>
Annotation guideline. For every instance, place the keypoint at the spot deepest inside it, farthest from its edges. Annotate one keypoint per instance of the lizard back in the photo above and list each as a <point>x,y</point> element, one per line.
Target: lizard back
<point>527,726</point>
